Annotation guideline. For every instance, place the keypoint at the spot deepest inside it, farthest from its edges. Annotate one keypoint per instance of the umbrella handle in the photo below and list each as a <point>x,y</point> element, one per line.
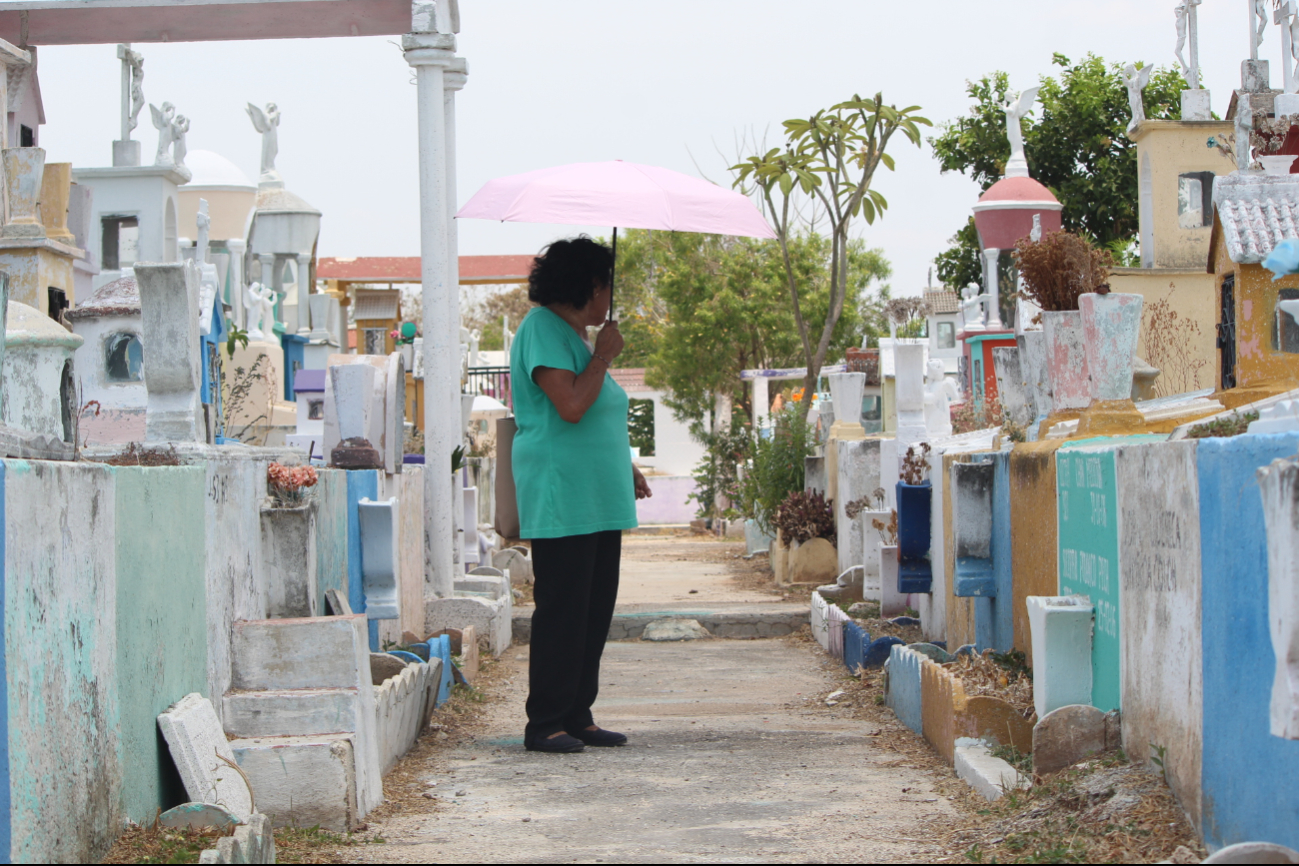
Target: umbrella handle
<point>613,272</point>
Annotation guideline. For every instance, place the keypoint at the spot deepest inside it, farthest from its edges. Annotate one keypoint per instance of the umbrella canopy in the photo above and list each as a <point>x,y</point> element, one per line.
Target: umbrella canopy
<point>621,194</point>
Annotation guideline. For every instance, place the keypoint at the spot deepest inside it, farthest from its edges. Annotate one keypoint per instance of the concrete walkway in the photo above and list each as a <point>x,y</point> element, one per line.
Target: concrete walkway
<point>734,757</point>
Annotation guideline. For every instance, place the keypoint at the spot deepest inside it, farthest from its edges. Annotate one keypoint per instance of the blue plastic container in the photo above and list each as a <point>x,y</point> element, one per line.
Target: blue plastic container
<point>915,575</point>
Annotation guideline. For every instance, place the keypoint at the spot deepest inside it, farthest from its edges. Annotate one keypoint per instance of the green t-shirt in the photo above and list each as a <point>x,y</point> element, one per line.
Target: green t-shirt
<point>569,479</point>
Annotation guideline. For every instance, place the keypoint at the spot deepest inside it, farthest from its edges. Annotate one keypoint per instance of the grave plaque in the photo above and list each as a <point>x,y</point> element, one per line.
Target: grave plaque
<point>1087,515</point>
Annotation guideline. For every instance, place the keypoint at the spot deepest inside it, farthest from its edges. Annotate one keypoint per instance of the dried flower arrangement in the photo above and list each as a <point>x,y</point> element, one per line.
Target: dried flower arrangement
<point>1060,267</point>
<point>288,484</point>
<point>888,531</point>
<point>857,506</point>
<point>805,515</point>
<point>915,467</point>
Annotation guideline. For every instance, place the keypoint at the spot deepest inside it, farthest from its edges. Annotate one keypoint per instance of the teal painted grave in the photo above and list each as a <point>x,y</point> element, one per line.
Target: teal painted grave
<point>1087,515</point>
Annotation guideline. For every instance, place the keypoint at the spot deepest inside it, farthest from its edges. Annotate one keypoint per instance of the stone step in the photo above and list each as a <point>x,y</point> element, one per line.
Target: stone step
<point>308,653</point>
<point>301,712</point>
<point>729,624</point>
<point>303,781</point>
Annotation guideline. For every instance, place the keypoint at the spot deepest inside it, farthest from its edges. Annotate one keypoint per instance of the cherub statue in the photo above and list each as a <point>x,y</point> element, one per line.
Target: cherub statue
<point>179,127</point>
<point>1016,108</point>
<point>940,392</point>
<point>164,121</point>
<point>972,307</point>
<point>1035,234</point>
<point>267,123</point>
<point>260,304</point>
<point>1136,81</point>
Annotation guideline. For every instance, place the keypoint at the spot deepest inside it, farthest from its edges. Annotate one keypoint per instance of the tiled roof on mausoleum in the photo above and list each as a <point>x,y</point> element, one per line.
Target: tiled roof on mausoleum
<point>377,304</point>
<point>121,297</point>
<point>1256,213</point>
<point>943,301</point>
<point>631,379</point>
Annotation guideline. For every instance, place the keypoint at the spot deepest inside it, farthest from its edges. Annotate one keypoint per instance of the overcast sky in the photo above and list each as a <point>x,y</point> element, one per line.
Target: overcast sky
<point>552,83</point>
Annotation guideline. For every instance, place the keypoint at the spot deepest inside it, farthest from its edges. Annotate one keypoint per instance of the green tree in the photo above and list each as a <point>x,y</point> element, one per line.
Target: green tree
<point>1078,148</point>
<point>830,158</point>
<point>697,309</point>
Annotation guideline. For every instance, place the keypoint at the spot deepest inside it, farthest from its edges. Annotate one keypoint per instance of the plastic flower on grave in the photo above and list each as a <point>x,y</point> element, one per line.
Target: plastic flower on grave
<point>287,483</point>
<point>1284,259</point>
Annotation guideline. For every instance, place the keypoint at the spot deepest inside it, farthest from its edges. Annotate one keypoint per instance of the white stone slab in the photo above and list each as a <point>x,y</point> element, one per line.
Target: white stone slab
<point>989,776</point>
<point>301,712</point>
<point>303,781</point>
<point>198,744</point>
<point>1060,628</point>
<point>379,557</point>
<point>491,618</point>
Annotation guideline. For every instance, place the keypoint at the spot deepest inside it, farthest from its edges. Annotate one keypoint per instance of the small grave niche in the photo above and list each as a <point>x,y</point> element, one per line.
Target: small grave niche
<point>123,357</point>
<point>1285,337</point>
<point>121,242</point>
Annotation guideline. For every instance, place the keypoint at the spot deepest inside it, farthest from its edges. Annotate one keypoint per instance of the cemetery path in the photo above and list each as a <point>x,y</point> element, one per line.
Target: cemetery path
<point>734,757</point>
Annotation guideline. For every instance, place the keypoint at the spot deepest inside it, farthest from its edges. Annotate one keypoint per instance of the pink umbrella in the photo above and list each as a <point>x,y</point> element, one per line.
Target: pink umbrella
<point>619,194</point>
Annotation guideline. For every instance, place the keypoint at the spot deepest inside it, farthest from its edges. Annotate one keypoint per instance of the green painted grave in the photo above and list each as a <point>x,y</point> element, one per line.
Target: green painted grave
<point>1087,514</point>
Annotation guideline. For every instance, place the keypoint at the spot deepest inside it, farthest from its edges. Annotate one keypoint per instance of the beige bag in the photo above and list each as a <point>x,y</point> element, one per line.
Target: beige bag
<point>507,505</point>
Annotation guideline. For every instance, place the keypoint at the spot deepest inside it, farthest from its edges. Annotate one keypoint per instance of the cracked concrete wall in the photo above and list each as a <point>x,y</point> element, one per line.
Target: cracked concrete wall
<point>61,652</point>
<point>161,621</point>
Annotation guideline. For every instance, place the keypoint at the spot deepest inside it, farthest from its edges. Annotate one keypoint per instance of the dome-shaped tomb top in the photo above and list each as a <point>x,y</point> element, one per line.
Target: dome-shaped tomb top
<point>211,170</point>
<point>28,326</point>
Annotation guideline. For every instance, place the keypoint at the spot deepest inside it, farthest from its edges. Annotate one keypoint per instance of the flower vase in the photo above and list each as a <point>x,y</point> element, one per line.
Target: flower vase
<point>1066,360</point>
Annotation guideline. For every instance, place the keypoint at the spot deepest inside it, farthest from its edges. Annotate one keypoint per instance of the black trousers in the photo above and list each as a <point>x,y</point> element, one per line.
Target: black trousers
<point>575,585</point>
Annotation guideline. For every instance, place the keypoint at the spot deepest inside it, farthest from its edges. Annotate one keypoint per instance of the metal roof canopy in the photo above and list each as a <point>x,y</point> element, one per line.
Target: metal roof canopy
<point>98,22</point>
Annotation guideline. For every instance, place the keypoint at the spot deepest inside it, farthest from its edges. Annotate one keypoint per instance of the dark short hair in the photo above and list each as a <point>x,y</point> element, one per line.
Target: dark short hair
<point>568,272</point>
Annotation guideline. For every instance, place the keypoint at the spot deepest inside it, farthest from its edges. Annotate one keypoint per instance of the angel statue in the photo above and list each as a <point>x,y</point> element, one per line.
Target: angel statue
<point>1016,108</point>
<point>179,127</point>
<point>940,393</point>
<point>1136,81</point>
<point>972,307</point>
<point>260,304</point>
<point>267,123</point>
<point>164,121</point>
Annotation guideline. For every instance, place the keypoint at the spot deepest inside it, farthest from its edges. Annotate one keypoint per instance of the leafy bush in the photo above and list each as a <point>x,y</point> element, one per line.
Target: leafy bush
<point>775,467</point>
<point>717,477</point>
<point>1060,267</point>
<point>804,515</point>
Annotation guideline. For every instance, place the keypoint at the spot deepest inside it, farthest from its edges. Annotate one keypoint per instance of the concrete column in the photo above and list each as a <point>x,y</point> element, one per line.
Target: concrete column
<point>430,54</point>
<point>237,247</point>
<point>761,402</point>
<point>304,292</point>
<point>991,289</point>
<point>453,79</point>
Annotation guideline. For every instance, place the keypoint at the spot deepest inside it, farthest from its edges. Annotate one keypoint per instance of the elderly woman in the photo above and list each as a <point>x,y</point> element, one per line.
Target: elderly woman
<point>576,486</point>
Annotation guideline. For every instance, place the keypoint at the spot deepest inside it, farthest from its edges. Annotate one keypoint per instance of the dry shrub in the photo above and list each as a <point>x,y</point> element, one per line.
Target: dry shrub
<point>1170,341</point>
<point>804,516</point>
<point>1060,267</point>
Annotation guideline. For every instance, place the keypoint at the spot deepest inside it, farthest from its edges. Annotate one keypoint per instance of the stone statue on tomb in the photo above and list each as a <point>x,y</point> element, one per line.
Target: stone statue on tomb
<point>940,393</point>
<point>972,307</point>
<point>259,301</point>
<point>1035,234</point>
<point>1136,81</point>
<point>179,127</point>
<point>267,123</point>
<point>1257,24</point>
<point>164,120</point>
<point>133,99</point>
<point>1016,108</point>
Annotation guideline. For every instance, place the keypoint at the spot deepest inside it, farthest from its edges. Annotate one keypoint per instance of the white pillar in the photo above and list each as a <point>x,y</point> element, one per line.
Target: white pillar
<point>237,248</point>
<point>990,287</point>
<point>430,54</point>
<point>761,402</point>
<point>304,292</point>
<point>268,281</point>
<point>453,79</point>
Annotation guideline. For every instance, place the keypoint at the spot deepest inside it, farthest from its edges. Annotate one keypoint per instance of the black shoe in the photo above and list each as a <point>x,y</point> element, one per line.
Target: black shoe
<point>601,737</point>
<point>563,744</point>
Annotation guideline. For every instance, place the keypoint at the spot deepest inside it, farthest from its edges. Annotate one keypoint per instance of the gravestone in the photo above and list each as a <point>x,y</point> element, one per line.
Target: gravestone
<point>1013,386</point>
<point>1087,511</point>
<point>169,320</point>
<point>469,652</point>
<point>909,373</point>
<point>203,756</point>
<point>352,389</point>
<point>379,557</point>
